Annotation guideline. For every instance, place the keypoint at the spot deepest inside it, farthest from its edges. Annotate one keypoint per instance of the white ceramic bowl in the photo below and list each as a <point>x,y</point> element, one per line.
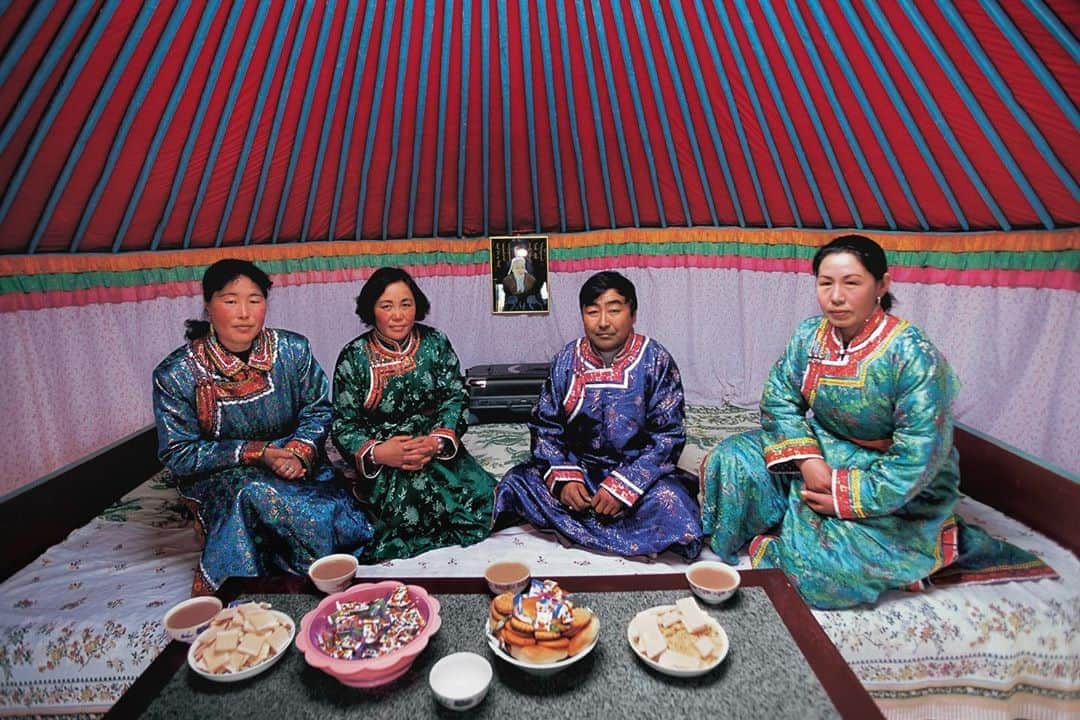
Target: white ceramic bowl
<point>460,680</point>
<point>254,669</point>
<point>344,571</point>
<point>712,593</point>
<point>679,672</point>
<point>538,669</point>
<point>185,620</point>
<point>508,576</point>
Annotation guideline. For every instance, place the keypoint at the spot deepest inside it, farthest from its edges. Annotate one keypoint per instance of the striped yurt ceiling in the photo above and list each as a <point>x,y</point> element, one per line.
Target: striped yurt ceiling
<point>152,125</point>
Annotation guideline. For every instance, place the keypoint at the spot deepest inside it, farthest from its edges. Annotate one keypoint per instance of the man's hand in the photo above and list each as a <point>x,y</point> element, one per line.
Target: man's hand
<point>575,496</point>
<point>605,504</point>
<point>817,485</point>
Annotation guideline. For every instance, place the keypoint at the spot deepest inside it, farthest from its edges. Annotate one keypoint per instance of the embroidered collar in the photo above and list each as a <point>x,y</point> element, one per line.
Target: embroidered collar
<point>627,351</point>
<point>217,357</point>
<point>870,330</point>
<point>390,347</point>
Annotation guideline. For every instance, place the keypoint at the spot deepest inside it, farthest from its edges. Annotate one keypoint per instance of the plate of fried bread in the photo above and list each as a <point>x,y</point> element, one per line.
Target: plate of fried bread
<point>540,629</point>
<point>680,639</point>
<point>241,642</point>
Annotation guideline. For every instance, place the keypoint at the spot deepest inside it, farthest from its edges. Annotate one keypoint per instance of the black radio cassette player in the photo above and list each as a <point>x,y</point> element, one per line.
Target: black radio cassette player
<point>504,393</point>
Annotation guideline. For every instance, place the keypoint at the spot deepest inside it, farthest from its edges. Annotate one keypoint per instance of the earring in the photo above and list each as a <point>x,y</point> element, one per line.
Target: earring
<point>878,299</point>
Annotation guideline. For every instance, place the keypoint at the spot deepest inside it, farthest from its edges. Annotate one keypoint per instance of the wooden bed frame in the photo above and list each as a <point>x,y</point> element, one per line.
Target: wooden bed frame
<point>42,514</point>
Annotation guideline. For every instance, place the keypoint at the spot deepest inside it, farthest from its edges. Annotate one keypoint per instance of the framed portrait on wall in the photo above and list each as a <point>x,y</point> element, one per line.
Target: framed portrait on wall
<point>519,274</point>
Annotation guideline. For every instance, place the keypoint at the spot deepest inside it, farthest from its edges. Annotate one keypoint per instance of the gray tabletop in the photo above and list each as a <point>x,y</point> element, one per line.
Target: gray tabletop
<point>763,676</point>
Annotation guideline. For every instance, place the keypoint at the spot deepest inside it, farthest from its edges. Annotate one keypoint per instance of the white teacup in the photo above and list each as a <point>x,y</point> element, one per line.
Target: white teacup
<point>333,573</point>
<point>507,576</point>
<point>713,582</point>
<point>185,620</point>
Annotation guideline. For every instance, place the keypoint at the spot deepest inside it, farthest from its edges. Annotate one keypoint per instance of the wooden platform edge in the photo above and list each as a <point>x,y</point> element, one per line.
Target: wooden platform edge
<point>36,517</point>
<point>1035,494</point>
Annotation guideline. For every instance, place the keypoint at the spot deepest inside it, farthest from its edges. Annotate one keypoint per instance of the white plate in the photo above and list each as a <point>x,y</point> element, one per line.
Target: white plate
<point>246,672</point>
<point>676,672</point>
<point>539,669</point>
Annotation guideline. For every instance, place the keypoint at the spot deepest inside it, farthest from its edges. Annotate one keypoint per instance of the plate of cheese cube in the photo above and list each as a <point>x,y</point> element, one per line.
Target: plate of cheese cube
<point>681,639</point>
<point>241,642</point>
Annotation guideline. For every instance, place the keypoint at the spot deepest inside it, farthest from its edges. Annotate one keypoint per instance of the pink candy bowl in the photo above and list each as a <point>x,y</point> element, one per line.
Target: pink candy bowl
<point>375,671</point>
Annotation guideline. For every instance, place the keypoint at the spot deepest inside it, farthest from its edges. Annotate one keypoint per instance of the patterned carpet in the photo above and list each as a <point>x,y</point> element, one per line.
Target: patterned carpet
<point>82,621</point>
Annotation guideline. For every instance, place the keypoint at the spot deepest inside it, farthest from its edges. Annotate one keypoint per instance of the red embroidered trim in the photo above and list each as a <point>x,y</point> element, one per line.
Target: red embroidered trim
<point>240,381</point>
<point>789,449</point>
<point>303,451</point>
<point>252,451</point>
<point>622,491</point>
<point>830,363</point>
<point>757,547</point>
<point>450,436</point>
<point>588,368</point>
<point>560,474</point>
<point>386,363</point>
<point>842,480</point>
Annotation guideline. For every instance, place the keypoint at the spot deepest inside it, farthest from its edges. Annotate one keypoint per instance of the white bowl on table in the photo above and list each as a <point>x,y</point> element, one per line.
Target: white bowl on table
<point>460,680</point>
<point>539,669</point>
<point>227,677</point>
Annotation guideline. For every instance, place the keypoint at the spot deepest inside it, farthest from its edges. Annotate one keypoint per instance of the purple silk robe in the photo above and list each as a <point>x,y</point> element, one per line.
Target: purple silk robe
<point>620,428</point>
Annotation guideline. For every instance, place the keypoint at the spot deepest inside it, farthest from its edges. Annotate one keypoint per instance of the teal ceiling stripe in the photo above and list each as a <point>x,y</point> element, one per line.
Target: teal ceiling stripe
<point>705,106</point>
<point>421,111</point>
<point>778,101</point>
<point>373,116</point>
<point>617,120</point>
<point>1020,44</point>
<point>104,95</point>
<point>1053,25</point>
<point>269,72</point>
<point>226,115</point>
<point>734,115</point>
<point>959,26</point>
<point>179,88</point>
<point>759,113</point>
<point>440,133</point>
<point>28,28</point>
<point>305,112</point>
<point>841,117</point>
<point>594,103</point>
<point>146,81</point>
<point>399,93</point>
<point>940,121</point>
<point>328,117</point>
<point>197,121</point>
<point>544,31</point>
<point>485,111</point>
<point>530,123</point>
<point>344,161</point>
<point>897,100</point>
<point>463,111</point>
<point>680,91</point>
<point>44,69</point>
<point>639,107</point>
<point>868,112</point>
<point>56,102</point>
<point>811,112</point>
<point>279,116</point>
<point>504,86</point>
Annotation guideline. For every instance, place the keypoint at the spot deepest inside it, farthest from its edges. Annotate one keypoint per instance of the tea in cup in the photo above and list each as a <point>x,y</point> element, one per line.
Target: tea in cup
<point>185,620</point>
<point>333,573</point>
<point>507,576</point>
<point>713,582</point>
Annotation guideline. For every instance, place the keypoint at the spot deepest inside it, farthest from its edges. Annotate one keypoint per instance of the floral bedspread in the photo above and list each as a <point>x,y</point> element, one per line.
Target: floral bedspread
<point>79,624</point>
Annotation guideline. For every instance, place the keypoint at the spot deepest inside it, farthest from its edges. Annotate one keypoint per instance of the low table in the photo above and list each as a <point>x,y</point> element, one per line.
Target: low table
<point>773,669</point>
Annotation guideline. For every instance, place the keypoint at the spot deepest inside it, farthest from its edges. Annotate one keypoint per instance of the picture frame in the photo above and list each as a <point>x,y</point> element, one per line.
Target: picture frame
<point>519,275</point>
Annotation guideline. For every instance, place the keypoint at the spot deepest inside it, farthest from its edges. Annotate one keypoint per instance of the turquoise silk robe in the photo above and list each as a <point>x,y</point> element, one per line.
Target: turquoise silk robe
<point>383,389</point>
<point>879,412</point>
<point>215,415</point>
